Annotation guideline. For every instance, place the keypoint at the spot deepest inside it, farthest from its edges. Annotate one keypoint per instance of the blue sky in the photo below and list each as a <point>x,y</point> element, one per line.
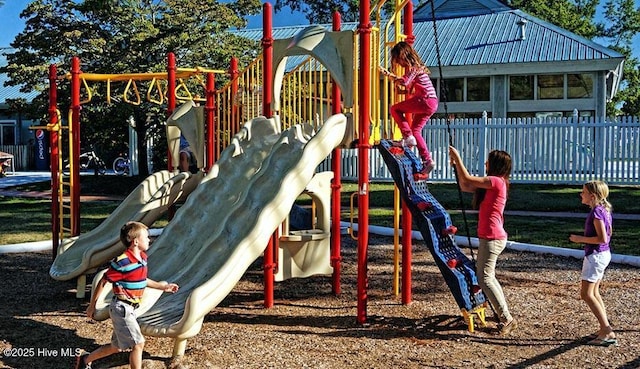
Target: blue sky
<point>12,24</point>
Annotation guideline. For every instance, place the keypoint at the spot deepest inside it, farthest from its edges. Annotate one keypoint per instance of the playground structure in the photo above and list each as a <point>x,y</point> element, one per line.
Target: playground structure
<point>261,167</point>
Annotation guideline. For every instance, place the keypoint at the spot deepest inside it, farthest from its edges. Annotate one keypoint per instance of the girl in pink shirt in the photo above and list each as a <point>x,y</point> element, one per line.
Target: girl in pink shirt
<point>490,197</point>
<point>421,101</point>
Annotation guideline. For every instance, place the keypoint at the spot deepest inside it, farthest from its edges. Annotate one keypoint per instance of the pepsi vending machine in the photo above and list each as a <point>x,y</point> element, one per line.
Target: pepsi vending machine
<point>42,150</point>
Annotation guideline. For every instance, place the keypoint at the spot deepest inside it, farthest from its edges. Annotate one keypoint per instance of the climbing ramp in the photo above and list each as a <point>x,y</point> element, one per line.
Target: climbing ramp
<point>435,225</point>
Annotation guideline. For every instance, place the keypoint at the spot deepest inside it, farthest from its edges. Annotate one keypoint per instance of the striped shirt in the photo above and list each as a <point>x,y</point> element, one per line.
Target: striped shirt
<point>128,276</point>
<point>415,78</point>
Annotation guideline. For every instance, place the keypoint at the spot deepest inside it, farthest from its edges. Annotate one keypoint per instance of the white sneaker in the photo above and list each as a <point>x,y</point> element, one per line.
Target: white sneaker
<point>410,141</point>
<point>427,167</point>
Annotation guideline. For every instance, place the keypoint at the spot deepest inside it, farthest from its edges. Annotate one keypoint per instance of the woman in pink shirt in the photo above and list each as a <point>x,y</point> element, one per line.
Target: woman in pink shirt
<point>490,197</point>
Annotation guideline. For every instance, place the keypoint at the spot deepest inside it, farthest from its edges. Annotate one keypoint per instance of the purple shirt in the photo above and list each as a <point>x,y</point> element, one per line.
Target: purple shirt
<point>600,213</point>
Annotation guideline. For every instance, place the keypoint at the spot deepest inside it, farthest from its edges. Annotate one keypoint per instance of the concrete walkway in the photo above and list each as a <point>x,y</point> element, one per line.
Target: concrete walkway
<point>552,214</point>
<point>22,178</point>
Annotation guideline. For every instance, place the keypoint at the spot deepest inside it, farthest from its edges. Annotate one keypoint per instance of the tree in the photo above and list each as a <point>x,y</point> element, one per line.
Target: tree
<point>123,36</point>
<point>576,16</point>
<point>621,26</point>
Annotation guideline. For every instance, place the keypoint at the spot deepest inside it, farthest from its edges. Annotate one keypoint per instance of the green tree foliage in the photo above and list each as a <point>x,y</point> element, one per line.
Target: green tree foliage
<point>123,36</point>
<point>621,25</point>
<point>573,15</point>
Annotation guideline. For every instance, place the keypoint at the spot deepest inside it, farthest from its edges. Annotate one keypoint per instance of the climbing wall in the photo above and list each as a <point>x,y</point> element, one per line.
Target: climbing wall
<point>435,225</point>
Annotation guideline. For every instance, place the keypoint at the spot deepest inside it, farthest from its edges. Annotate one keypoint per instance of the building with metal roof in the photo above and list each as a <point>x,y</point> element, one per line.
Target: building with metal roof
<point>496,59</point>
<point>14,129</point>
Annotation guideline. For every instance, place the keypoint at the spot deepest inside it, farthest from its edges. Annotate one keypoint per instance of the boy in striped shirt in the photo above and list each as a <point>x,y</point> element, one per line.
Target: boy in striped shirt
<point>128,274</point>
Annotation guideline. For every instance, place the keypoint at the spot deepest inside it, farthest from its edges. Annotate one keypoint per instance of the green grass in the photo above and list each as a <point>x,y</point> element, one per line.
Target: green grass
<point>30,219</point>
<point>549,231</point>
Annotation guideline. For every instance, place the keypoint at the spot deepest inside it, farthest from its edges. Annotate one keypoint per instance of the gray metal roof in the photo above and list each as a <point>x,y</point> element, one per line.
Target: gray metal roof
<point>457,8</point>
<point>489,33</point>
<point>497,38</point>
<point>280,33</point>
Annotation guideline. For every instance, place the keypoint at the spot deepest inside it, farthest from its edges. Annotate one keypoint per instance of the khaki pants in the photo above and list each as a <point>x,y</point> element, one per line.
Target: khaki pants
<point>488,252</point>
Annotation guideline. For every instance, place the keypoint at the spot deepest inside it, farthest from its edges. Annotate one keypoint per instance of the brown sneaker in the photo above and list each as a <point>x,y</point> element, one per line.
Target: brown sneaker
<point>506,328</point>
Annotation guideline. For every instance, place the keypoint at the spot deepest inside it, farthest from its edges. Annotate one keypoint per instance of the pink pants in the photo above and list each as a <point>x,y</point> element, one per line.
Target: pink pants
<point>422,109</point>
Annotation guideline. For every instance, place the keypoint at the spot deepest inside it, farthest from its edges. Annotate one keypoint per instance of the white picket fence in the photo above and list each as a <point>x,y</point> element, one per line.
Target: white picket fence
<point>559,151</point>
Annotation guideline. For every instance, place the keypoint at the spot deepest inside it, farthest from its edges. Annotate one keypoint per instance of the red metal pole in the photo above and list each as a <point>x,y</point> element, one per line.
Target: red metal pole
<point>267,50</point>
<point>171,96</point>
<point>55,159</point>
<point>364,107</point>
<point>235,114</point>
<point>336,184</point>
<point>407,220</point>
<point>171,106</point>
<point>267,55</point>
<point>75,137</point>
<point>209,110</point>
<point>408,23</point>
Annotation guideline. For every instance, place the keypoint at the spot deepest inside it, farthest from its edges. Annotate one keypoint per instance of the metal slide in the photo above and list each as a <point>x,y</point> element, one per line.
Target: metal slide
<point>435,225</point>
<point>226,223</point>
<point>146,203</point>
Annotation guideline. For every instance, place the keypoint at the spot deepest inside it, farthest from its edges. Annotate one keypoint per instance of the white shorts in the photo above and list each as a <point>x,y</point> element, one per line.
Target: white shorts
<point>126,330</point>
<point>593,266</point>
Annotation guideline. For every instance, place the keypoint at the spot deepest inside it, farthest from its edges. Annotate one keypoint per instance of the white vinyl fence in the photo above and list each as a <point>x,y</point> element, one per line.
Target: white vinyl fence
<point>560,151</point>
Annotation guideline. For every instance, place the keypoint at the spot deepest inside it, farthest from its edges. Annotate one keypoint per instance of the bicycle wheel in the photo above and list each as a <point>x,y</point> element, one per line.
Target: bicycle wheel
<point>120,166</point>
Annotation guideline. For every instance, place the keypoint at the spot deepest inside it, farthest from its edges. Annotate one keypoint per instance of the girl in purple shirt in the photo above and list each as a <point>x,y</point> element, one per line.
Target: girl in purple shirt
<point>597,234</point>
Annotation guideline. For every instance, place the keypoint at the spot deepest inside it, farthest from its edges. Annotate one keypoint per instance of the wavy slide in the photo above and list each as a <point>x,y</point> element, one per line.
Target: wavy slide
<point>226,223</point>
<point>145,204</point>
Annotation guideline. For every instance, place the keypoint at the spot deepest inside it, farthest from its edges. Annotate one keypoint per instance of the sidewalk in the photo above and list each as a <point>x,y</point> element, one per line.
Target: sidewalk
<point>552,214</point>
<point>23,178</point>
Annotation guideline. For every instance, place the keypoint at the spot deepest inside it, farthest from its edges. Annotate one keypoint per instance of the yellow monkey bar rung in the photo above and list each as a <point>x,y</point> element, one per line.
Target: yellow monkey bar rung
<point>136,93</point>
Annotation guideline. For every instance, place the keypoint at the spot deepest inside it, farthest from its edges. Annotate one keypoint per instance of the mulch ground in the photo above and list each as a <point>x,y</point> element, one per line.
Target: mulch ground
<point>42,324</point>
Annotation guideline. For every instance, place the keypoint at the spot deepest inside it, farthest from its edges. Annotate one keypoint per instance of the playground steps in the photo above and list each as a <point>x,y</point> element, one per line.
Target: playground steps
<point>438,232</point>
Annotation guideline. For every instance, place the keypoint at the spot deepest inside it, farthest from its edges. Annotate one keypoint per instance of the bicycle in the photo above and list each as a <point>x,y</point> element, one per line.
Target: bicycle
<point>88,160</point>
<point>122,165</point>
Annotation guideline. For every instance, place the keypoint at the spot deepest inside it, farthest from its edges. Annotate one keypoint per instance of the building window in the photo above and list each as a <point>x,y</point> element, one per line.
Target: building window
<point>479,89</point>
<point>551,86</point>
<point>579,86</point>
<point>521,87</point>
<point>464,89</point>
<point>453,90</point>
<point>7,133</point>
